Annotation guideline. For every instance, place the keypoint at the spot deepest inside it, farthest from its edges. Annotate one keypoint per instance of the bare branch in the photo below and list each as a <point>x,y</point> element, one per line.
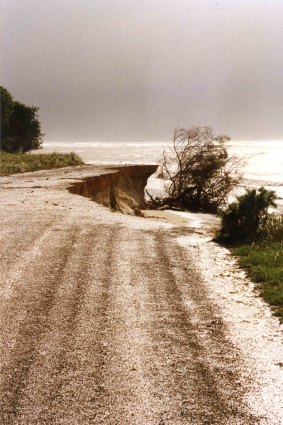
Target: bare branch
<point>198,170</point>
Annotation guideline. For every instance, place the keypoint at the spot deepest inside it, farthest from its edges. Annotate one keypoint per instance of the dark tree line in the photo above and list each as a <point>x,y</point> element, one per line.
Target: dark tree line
<point>20,125</point>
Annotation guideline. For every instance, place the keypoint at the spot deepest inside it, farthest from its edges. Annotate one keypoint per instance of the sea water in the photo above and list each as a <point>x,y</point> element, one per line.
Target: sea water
<point>263,158</point>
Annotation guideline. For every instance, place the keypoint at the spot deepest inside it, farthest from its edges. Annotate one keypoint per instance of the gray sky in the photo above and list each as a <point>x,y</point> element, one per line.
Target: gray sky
<point>136,69</point>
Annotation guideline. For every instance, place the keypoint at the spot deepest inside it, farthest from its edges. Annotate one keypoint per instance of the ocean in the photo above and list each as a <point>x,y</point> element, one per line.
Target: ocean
<point>263,159</point>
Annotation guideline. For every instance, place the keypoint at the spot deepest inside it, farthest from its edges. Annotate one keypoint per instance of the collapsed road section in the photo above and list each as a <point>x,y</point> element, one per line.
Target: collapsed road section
<point>122,189</point>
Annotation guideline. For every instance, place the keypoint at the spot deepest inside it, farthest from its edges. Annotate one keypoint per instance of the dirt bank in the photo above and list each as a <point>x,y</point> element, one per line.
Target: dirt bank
<point>109,319</point>
<point>121,189</point>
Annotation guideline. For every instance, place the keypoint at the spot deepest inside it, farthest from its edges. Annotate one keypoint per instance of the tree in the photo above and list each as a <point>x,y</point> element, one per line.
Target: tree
<point>20,125</point>
<point>7,105</point>
<point>199,172</point>
<point>245,218</point>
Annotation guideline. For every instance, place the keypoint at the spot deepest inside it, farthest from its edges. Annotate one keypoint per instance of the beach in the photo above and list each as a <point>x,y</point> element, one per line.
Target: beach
<point>109,318</point>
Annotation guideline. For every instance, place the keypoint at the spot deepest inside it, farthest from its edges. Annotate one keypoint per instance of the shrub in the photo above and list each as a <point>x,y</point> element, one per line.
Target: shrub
<point>245,219</point>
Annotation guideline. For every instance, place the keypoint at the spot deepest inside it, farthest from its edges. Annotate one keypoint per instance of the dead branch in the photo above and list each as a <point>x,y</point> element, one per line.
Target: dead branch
<point>198,171</point>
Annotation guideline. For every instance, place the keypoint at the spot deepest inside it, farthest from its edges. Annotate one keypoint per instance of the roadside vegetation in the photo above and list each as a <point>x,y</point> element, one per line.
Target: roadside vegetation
<point>21,133</point>
<point>263,262</point>
<point>255,236</point>
<point>11,163</point>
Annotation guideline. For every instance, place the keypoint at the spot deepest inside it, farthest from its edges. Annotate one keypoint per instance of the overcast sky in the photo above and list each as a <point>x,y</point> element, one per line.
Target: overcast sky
<point>136,69</point>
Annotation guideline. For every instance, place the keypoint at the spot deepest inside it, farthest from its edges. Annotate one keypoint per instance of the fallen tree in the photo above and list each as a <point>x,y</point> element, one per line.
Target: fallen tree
<point>197,171</point>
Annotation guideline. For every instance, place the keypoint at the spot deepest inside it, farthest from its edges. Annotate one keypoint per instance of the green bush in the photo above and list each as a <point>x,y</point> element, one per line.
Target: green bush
<point>245,219</point>
<point>20,126</point>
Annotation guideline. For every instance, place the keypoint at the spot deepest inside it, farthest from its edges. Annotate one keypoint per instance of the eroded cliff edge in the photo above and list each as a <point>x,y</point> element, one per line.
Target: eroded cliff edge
<point>122,189</point>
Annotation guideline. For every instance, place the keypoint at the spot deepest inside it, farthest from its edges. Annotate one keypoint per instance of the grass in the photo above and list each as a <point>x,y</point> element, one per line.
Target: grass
<point>11,163</point>
<point>263,262</point>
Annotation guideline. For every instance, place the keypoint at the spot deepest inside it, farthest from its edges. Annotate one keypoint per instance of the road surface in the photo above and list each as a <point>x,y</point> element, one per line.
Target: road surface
<point>105,319</point>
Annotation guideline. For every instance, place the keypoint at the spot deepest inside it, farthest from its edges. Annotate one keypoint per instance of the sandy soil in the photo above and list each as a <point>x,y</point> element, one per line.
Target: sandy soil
<point>118,320</point>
